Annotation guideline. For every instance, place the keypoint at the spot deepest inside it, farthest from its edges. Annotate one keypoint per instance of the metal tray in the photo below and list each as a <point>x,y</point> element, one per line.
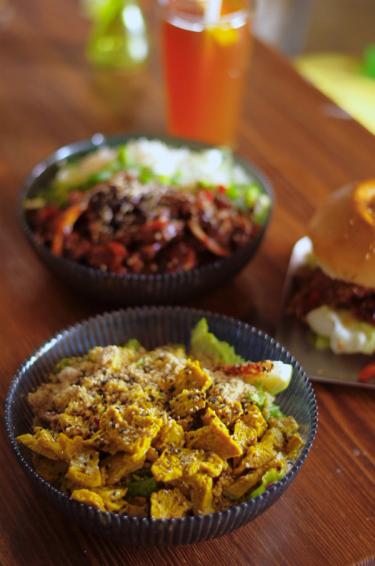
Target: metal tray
<point>320,365</point>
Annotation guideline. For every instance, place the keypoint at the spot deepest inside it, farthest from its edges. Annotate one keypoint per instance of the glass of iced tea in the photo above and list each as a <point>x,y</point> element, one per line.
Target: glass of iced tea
<point>205,63</point>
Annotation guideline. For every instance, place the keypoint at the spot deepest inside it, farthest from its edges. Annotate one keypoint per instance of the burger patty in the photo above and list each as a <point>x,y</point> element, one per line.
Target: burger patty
<point>312,288</point>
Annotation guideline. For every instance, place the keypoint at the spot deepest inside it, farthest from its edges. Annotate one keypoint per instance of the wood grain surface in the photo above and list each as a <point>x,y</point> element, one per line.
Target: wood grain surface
<point>50,96</point>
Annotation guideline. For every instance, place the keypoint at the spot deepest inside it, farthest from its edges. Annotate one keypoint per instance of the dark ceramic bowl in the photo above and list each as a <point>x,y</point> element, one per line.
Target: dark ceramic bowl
<point>132,289</point>
<point>153,327</point>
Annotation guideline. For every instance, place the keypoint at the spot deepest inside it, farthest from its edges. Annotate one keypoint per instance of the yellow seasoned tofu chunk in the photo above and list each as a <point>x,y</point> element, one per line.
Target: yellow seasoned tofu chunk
<point>187,402</point>
<point>170,434</point>
<point>201,493</point>
<point>89,497</point>
<point>214,436</point>
<point>221,483</point>
<point>176,463</point>
<point>169,466</point>
<point>192,376</point>
<point>294,446</point>
<point>253,417</point>
<point>287,425</point>
<point>274,437</point>
<point>244,435</point>
<point>84,469</point>
<point>256,456</point>
<point>241,486</point>
<point>206,463</point>
<point>118,434</point>
<point>113,498</point>
<point>42,442</point>
<point>120,465</point>
<point>227,411</point>
<point>169,504</point>
<point>70,447</point>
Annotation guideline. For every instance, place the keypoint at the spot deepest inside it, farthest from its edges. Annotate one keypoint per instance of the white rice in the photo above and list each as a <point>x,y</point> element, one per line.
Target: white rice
<point>211,166</point>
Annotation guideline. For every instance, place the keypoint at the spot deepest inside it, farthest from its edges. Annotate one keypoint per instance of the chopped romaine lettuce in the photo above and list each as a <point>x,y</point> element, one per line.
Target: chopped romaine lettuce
<point>270,476</point>
<point>258,397</point>
<point>141,487</point>
<point>208,349</point>
<point>274,411</point>
<point>133,344</point>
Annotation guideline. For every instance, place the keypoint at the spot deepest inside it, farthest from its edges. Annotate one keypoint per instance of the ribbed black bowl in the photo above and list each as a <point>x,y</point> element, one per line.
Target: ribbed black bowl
<point>153,327</point>
<point>133,289</point>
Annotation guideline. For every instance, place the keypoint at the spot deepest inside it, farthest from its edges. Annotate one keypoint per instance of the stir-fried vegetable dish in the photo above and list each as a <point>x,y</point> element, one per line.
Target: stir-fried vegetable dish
<point>162,433</point>
<point>147,208</point>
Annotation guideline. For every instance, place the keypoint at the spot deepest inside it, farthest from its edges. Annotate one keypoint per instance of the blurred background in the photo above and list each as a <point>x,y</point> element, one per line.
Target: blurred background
<point>331,42</point>
<point>333,45</point>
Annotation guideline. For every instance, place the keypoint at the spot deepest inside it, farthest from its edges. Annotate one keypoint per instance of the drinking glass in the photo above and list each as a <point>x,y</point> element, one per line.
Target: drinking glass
<point>118,36</point>
<point>205,65</point>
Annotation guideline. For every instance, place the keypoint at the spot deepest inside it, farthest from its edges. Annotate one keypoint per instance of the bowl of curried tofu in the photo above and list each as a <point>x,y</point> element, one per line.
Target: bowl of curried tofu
<point>161,425</point>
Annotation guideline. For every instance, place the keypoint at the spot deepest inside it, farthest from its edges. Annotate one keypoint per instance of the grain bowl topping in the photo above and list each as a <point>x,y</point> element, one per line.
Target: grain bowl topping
<point>162,433</point>
<point>145,207</point>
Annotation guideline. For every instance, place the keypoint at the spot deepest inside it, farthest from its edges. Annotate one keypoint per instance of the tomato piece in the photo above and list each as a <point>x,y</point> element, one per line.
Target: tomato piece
<point>367,373</point>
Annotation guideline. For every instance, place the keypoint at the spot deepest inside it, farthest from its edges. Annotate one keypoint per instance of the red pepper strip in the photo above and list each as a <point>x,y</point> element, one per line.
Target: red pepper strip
<point>367,373</point>
<point>208,242</point>
<point>249,368</point>
<point>64,225</point>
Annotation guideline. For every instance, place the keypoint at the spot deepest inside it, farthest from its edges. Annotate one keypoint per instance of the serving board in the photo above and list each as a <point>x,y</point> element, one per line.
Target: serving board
<point>320,365</point>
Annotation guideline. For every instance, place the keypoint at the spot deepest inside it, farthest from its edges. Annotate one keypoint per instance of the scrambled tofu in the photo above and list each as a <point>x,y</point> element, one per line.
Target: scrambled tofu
<point>155,433</point>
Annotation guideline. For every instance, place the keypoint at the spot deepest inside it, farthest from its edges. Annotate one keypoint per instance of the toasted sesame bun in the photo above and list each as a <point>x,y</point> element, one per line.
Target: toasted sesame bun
<point>343,234</point>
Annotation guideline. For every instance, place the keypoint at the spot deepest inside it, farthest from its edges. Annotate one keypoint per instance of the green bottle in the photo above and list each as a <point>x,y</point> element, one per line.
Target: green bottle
<point>118,37</point>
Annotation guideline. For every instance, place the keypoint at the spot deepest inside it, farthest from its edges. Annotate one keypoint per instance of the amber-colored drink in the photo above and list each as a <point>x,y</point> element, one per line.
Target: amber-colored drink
<point>205,68</point>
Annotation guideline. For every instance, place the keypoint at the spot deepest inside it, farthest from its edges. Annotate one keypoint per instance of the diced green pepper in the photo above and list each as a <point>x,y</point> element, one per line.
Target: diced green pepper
<point>252,193</point>
<point>233,192</point>
<point>145,175</point>
<point>262,207</point>
<point>122,156</point>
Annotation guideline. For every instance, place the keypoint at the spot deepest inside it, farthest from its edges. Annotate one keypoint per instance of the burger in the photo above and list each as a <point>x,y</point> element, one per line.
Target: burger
<point>334,292</point>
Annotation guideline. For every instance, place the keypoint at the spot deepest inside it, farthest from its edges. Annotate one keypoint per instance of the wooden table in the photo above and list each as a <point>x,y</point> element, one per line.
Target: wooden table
<point>49,96</point>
